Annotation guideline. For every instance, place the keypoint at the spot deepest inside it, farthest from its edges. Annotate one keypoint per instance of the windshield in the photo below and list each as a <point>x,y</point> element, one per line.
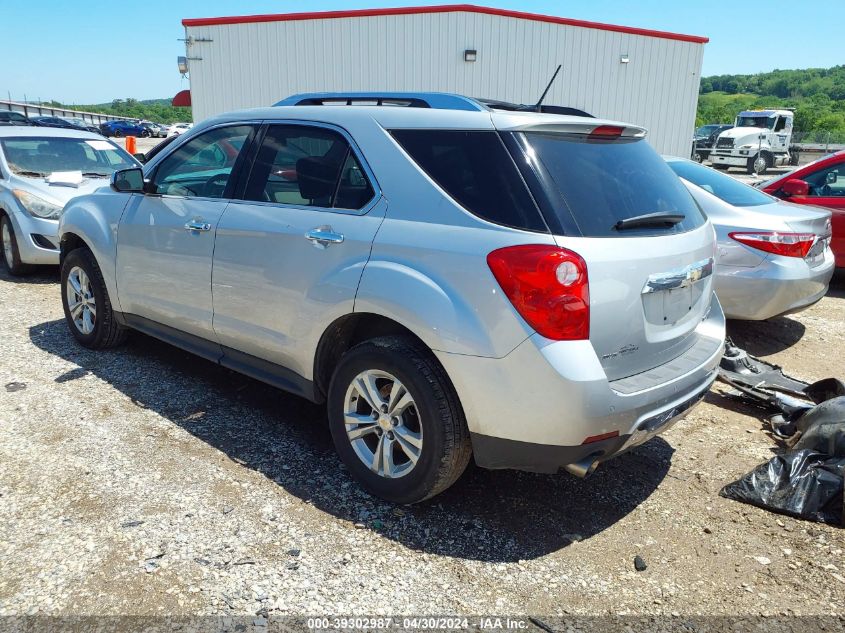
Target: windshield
<point>723,187</point>
<point>602,182</point>
<point>755,121</point>
<point>706,130</point>
<point>41,156</point>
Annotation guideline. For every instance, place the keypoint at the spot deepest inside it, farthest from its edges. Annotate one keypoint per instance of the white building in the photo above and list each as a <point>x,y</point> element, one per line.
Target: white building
<point>649,78</point>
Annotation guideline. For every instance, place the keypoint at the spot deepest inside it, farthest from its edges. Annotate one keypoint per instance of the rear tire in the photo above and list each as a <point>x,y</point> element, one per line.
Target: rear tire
<point>721,167</point>
<point>426,442</point>
<point>117,134</point>
<point>82,282</point>
<point>11,254</point>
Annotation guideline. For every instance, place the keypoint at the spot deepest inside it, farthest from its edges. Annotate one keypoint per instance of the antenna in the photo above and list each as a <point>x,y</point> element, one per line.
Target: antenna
<point>545,92</point>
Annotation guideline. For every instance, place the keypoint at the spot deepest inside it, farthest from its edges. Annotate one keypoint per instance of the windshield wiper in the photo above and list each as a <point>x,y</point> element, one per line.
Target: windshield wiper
<point>34,174</point>
<point>650,219</point>
<point>95,174</point>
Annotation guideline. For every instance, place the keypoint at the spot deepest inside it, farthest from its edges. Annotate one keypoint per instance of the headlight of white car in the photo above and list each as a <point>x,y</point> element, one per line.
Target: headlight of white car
<point>38,207</point>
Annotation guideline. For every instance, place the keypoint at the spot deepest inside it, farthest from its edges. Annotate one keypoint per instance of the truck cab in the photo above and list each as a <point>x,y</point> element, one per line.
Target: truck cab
<point>760,139</point>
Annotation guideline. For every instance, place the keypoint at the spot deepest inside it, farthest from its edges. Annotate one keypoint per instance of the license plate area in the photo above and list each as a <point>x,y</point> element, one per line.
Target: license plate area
<point>671,296</point>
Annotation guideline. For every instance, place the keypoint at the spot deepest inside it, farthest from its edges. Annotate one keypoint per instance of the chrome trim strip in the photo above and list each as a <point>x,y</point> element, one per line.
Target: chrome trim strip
<point>679,278</point>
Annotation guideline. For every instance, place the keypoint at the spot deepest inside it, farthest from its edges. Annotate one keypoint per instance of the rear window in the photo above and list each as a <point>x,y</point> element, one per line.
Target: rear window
<point>476,170</point>
<point>601,182</point>
<point>720,185</point>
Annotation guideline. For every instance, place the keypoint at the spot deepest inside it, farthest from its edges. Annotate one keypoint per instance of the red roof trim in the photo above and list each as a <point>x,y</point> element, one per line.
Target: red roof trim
<point>446,8</point>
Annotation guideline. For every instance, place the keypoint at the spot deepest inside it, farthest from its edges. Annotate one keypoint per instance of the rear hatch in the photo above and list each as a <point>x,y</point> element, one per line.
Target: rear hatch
<point>649,250</point>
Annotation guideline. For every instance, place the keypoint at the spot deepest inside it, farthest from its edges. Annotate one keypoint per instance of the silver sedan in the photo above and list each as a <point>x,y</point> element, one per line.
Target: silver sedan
<point>773,257</point>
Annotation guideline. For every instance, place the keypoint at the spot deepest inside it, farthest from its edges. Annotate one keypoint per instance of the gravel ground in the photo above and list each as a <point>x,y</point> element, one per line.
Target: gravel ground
<point>147,481</point>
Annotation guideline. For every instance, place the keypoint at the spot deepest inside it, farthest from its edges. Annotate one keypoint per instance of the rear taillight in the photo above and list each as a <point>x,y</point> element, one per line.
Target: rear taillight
<point>786,244</point>
<point>548,287</point>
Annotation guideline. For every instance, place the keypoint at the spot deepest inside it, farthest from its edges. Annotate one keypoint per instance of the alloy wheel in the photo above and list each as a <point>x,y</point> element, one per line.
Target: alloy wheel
<point>80,300</point>
<point>383,424</point>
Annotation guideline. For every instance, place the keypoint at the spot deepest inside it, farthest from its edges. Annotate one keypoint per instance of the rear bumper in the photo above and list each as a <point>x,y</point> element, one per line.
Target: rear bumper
<point>779,285</point>
<point>498,453</point>
<point>533,409</point>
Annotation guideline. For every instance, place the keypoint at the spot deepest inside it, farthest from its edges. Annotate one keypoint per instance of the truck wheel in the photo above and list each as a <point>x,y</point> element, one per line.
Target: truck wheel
<point>759,164</point>
<point>86,303</point>
<point>697,157</point>
<point>794,157</point>
<point>721,167</point>
<point>396,421</point>
<point>11,254</point>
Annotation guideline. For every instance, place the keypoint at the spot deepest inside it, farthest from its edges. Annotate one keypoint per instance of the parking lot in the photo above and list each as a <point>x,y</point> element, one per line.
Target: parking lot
<point>148,481</point>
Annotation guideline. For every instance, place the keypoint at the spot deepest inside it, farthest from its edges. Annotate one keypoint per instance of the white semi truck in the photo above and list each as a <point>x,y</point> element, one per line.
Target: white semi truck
<point>760,139</point>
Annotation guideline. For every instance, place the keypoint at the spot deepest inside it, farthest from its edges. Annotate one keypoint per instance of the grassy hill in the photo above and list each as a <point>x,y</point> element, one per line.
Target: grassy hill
<point>816,94</point>
<point>156,110</point>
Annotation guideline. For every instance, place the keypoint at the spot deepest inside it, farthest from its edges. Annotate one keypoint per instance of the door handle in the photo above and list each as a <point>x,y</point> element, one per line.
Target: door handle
<point>197,225</point>
<point>323,236</point>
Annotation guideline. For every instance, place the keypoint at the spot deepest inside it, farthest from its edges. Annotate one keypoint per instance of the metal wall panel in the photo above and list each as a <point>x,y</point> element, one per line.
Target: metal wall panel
<point>257,64</point>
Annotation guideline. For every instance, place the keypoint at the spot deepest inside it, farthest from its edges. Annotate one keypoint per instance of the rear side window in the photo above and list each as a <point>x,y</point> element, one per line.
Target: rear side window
<point>601,182</point>
<point>477,171</point>
<point>308,166</point>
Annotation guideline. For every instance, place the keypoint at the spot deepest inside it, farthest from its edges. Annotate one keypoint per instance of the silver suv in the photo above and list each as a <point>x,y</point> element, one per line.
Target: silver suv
<point>451,279</point>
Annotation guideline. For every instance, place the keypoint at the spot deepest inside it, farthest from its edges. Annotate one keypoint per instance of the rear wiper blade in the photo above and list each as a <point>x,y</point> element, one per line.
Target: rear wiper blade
<point>650,219</point>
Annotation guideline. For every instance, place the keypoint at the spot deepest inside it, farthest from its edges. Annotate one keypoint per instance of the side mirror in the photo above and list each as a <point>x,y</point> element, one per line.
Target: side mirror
<point>128,180</point>
<point>831,177</point>
<point>140,157</point>
<point>795,187</point>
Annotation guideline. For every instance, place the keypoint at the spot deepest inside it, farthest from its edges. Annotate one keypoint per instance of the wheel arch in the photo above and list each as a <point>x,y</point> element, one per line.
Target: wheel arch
<point>88,221</point>
<point>343,334</point>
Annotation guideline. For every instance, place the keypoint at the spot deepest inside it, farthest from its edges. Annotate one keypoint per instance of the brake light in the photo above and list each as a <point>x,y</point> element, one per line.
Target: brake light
<point>607,131</point>
<point>548,286</point>
<point>786,244</point>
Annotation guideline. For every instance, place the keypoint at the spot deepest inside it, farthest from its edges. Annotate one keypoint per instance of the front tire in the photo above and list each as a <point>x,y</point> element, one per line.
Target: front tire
<point>396,421</point>
<point>118,133</point>
<point>721,167</point>
<point>86,303</point>
<point>11,253</point>
<point>758,164</point>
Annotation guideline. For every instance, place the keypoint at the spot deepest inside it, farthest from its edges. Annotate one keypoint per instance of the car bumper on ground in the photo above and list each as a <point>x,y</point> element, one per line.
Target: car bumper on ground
<point>37,239</point>
<point>533,409</point>
<point>777,286</point>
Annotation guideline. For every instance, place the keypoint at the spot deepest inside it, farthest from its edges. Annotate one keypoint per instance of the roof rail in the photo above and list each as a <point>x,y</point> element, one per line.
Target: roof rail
<point>434,100</point>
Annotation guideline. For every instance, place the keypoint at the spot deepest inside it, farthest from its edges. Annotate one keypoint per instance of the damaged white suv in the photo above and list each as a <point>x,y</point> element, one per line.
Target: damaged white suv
<point>450,278</point>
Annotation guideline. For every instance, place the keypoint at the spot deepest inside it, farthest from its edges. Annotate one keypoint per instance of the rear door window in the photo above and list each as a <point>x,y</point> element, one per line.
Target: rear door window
<point>476,170</point>
<point>308,166</point>
<point>600,182</point>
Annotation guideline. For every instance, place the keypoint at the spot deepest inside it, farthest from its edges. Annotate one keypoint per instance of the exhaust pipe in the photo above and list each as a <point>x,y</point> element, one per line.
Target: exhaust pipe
<point>584,467</point>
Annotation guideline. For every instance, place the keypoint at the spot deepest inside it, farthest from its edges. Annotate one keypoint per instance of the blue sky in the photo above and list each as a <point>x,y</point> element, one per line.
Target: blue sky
<point>112,50</point>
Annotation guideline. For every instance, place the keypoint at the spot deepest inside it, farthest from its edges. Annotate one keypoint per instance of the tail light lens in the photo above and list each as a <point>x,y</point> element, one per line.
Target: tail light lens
<point>548,287</point>
<point>786,244</point>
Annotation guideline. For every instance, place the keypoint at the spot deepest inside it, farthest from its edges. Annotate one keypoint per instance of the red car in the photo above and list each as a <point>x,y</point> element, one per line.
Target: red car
<point>821,183</point>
